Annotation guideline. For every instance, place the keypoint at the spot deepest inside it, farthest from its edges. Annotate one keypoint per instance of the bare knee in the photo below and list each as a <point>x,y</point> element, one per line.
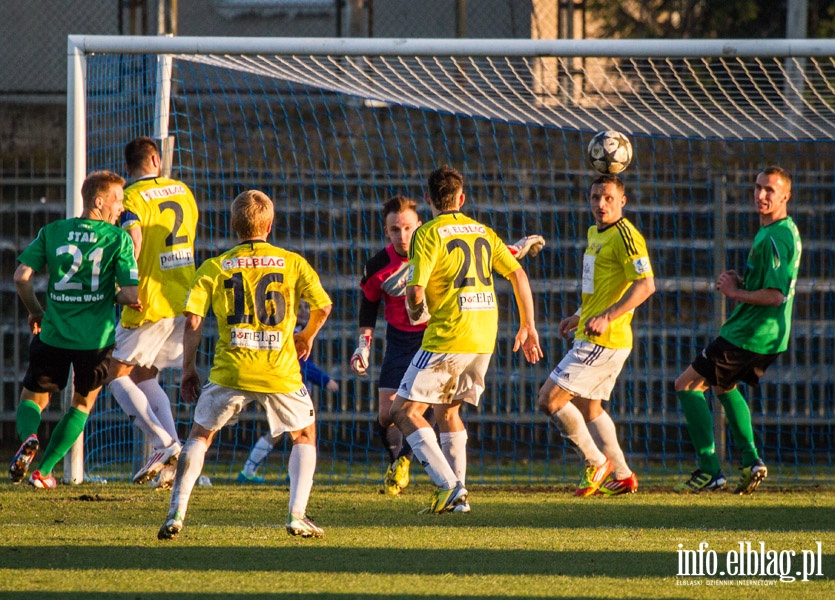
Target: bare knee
<point>139,373</point>
<point>305,436</point>
<point>384,415</point>
<point>117,369</point>
<point>590,409</point>
<point>448,417</point>
<point>86,402</point>
<point>690,380</point>
<point>552,398</point>
<point>198,432</point>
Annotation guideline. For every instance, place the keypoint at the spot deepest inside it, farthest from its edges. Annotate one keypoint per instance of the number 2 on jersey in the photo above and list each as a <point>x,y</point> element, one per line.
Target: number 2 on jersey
<point>174,239</point>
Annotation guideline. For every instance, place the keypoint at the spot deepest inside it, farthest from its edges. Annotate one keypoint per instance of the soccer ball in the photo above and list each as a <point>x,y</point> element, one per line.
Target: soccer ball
<point>610,152</point>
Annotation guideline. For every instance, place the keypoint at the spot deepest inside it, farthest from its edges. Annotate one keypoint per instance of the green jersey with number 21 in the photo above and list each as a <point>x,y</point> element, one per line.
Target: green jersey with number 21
<point>86,259</point>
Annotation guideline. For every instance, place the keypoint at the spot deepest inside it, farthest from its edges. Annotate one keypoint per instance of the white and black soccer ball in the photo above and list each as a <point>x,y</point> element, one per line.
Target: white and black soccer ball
<point>609,152</point>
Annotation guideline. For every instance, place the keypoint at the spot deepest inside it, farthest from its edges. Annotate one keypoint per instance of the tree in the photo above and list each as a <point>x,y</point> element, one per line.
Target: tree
<point>677,19</point>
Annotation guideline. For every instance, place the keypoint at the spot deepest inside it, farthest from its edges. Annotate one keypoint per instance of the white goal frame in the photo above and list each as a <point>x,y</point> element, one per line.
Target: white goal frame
<point>165,47</point>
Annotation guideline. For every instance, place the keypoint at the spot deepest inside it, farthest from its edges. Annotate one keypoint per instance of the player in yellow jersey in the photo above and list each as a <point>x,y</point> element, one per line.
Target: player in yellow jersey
<point>161,218</point>
<point>254,290</point>
<point>617,278</point>
<point>451,263</point>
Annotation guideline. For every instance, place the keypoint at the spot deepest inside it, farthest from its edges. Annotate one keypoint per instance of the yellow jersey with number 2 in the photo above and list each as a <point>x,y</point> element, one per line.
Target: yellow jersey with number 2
<point>453,258</point>
<point>254,290</point>
<point>166,212</point>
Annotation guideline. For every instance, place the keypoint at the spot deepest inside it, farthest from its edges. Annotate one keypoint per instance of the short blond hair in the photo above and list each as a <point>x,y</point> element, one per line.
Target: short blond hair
<point>98,183</point>
<point>252,214</point>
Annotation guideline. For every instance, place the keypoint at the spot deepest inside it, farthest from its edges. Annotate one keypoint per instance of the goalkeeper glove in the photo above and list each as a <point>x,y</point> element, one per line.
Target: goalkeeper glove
<point>529,245</point>
<point>420,316</point>
<point>360,357</point>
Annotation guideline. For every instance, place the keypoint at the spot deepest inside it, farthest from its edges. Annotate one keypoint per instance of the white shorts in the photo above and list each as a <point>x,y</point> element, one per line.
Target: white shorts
<point>590,371</point>
<point>219,406</point>
<point>158,344</point>
<point>445,378</point>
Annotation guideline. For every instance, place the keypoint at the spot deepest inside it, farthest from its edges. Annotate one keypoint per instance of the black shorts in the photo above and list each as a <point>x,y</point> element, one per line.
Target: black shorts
<point>49,368</point>
<point>724,365</point>
<point>401,347</point>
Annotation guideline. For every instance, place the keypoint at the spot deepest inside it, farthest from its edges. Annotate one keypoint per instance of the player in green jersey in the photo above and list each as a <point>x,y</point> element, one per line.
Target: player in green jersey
<point>91,266</point>
<point>749,341</point>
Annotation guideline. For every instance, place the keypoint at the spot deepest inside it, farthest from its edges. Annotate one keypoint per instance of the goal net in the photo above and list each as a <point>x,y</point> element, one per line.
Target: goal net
<point>330,129</point>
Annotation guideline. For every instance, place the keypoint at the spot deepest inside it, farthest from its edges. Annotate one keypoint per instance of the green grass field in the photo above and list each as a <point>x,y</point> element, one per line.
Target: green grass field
<point>99,541</point>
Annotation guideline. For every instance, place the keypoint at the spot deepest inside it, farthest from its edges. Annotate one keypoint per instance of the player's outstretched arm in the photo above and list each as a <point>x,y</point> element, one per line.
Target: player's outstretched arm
<point>635,295</point>
<point>530,245</point>
<point>304,338</point>
<point>527,337</point>
<point>26,290</point>
<point>190,383</point>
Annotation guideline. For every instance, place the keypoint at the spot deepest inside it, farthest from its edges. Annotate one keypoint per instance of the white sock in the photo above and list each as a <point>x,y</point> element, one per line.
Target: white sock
<point>189,467</point>
<point>604,434</point>
<point>569,420</point>
<point>135,404</point>
<point>429,454</point>
<point>301,466</point>
<point>160,403</point>
<point>258,454</point>
<point>454,447</point>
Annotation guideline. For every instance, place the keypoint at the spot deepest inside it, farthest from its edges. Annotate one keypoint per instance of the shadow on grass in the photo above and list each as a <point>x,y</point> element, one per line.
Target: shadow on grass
<point>315,558</point>
<point>604,513</point>
<point>309,556</point>
<point>254,596</point>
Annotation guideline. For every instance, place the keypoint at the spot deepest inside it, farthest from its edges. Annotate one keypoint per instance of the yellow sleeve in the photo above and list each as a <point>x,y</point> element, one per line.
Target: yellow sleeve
<point>636,263</point>
<point>504,263</point>
<point>422,257</point>
<point>199,298</point>
<point>311,286</point>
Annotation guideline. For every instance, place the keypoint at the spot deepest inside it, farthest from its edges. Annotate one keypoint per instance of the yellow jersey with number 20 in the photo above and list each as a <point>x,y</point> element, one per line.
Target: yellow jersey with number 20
<point>453,258</point>
<point>166,212</point>
<point>254,290</point>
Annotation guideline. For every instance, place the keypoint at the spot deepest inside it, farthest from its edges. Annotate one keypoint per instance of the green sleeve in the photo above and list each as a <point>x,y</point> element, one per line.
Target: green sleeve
<point>34,255</point>
<point>777,266</point>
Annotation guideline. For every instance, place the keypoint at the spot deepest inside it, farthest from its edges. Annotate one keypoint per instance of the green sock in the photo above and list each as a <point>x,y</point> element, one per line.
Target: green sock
<point>28,419</point>
<point>700,426</point>
<point>739,419</point>
<point>66,432</point>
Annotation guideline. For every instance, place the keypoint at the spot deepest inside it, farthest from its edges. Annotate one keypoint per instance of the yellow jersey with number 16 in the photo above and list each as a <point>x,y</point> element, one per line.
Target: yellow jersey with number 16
<point>453,258</point>
<point>254,290</point>
<point>166,212</point>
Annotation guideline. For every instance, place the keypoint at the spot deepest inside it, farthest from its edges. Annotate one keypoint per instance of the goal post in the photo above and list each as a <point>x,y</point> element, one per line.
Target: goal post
<point>329,128</point>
